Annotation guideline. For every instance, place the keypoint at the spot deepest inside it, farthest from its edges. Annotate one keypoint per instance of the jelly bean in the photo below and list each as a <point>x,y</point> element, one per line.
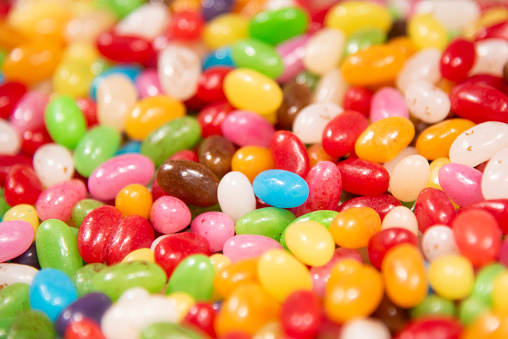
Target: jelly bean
<point>224,30</point>
<point>247,129</point>
<point>172,249</point>
<point>340,133</point>
<point>134,199</point>
<point>28,258</point>
<point>437,241</point>
<point>382,204</point>
<point>295,97</point>
<point>82,279</point>
<point>10,95</point>
<point>455,179</point>
<point>257,55</point>
<point>301,315</point>
<point>53,164</point>
<point>147,21</point>
<point>235,195</point>
<point>352,16</point>
<point>496,207</point>
<point>185,26</point>
<point>219,57</point>
<point>10,142</point>
<point>413,169</point>
<point>211,116</point>
<point>479,143</point>
<point>387,102</point>
<point>352,228</point>
<point>492,181</point>
<point>310,243</point>
<point>111,176</point>
<point>433,207</point>
<point>384,139</point>
<point>451,276</point>
<point>40,326</point>
<point>432,326</point>
<point>166,330</point>
<point>148,84</point>
<point>365,327</point>
<point>210,84</point>
<point>64,121</point>
<point>7,161</point>
<point>279,25</point>
<point>16,273</point>
<point>363,177</point>
<point>491,55</point>
<point>216,153</point>
<point>82,208</point>
<point>33,139</point>
<point>17,238</point>
<point>269,222</point>
<point>317,154</point>
<point>265,96</point>
<point>466,102</point>
<point>216,227</point>
<point>289,153</point>
<point>29,112</point>
<point>486,280</point>
<point>56,247</point>
<point>292,52</point>
<point>201,315</point>
<point>423,65</point>
<point>457,60</point>
<point>129,72</point>
<point>194,275</point>
<point>434,305</point>
<point>252,160</point>
<point>358,99</point>
<point>246,246</point>
<point>331,88</point>
<point>57,201</point>
<point>310,122</point>
<point>363,39</point>
<point>239,273</point>
<point>427,102</point>
<point>324,50</point>
<point>381,242</point>
<point>21,186</point>
<point>427,32</point>
<point>83,329</point>
<point>281,188</point>
<point>143,254</point>
<point>14,300</point>
<point>124,48</point>
<point>471,309</point>
<point>404,275</point>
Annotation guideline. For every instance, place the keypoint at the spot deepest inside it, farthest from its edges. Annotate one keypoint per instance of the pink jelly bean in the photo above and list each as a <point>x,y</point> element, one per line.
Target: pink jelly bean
<point>461,183</point>
<point>247,129</point>
<point>16,236</point>
<point>29,112</point>
<point>388,102</point>
<point>110,177</point>
<point>169,215</point>
<point>246,246</point>
<point>216,227</point>
<point>147,83</point>
<point>325,187</point>
<point>292,52</point>
<point>57,201</point>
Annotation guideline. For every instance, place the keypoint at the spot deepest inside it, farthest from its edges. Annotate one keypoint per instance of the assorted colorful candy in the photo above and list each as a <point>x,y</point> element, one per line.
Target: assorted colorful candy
<point>253,169</point>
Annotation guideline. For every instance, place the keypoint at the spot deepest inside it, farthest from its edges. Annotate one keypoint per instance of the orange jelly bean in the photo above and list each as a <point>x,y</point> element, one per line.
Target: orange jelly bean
<point>317,154</point>
<point>404,276</point>
<point>10,37</point>
<point>384,139</point>
<point>341,270</point>
<point>492,325</point>
<point>252,160</point>
<point>234,275</point>
<point>354,227</point>
<point>134,199</point>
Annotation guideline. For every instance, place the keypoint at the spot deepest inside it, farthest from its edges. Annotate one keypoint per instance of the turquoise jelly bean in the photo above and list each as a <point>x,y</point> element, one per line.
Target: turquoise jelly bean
<point>280,188</point>
<point>219,57</point>
<point>130,147</point>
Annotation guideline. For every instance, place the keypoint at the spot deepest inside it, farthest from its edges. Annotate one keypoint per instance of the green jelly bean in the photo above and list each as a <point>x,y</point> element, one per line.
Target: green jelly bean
<point>173,136</point>
<point>434,304</point>
<point>268,221</point>
<point>82,208</point>
<point>3,55</point>
<point>32,325</point>
<point>65,122</point>
<point>308,79</point>
<point>363,39</point>
<point>277,26</point>
<point>169,331</point>
<point>194,276</point>
<point>472,308</point>
<point>258,55</point>
<point>4,206</point>
<point>485,281</point>
<point>98,145</point>
<point>116,279</point>
<point>324,217</point>
<point>14,300</point>
<point>5,326</point>
<point>82,279</point>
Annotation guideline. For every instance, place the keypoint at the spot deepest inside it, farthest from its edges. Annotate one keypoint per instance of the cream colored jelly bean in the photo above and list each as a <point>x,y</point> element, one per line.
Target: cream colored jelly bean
<point>409,177</point>
<point>324,50</point>
<point>495,176</point>
<point>311,121</point>
<point>427,102</point>
<point>402,217</point>
<point>331,88</point>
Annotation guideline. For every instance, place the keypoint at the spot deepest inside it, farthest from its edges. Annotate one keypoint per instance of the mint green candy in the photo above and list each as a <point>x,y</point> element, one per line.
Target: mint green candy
<point>269,222</point>
<point>14,300</point>
<point>32,325</point>
<point>274,27</point>
<point>82,208</point>
<point>435,305</point>
<point>324,217</point>
<point>169,331</point>
<point>82,279</point>
<point>363,39</point>
<point>175,135</point>
<point>194,276</point>
<point>57,248</point>
<point>65,122</point>
<point>471,309</point>
<point>97,145</point>
<point>259,56</point>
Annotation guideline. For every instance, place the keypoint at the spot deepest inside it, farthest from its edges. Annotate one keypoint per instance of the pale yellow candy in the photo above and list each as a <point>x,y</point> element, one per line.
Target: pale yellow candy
<point>23,212</point>
<point>219,261</point>
<point>324,50</point>
<point>351,16</point>
<point>310,242</point>
<point>182,302</point>
<point>331,87</point>
<point>435,166</point>
<point>272,330</point>
<point>115,98</point>
<point>409,177</point>
<point>451,276</point>
<point>427,32</point>
<point>225,30</point>
<point>400,217</point>
<point>390,165</point>
<point>144,254</point>
<point>87,25</point>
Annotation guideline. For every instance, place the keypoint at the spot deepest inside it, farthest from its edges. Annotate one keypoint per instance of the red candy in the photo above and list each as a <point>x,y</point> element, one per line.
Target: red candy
<point>33,139</point>
<point>10,93</point>
<point>186,26</point>
<point>202,315</point>
<point>289,153</point>
<point>83,329</point>
<point>457,59</point>
<point>210,84</point>
<point>358,99</point>
<point>431,328</point>
<point>211,116</point>
<point>363,177</point>
<point>340,134</point>
<point>479,103</point>
<point>7,161</point>
<point>89,109</point>
<point>301,315</point>
<point>386,239</point>
<point>382,204</point>
<point>498,208</point>
<point>433,207</point>
<point>22,186</point>
<point>124,48</point>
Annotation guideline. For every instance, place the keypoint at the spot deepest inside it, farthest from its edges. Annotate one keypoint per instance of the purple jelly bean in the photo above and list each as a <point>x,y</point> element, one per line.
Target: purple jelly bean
<point>29,257</point>
<point>212,8</point>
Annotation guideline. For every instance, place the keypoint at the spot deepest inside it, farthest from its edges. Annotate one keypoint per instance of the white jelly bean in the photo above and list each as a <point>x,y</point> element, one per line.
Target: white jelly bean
<point>409,177</point>
<point>390,165</point>
<point>16,273</point>
<point>331,88</point>
<point>427,102</point>
<point>495,176</point>
<point>53,164</point>
<point>361,328</point>
<point>116,96</point>
<point>10,140</point>
<point>491,56</point>
<point>401,217</point>
<point>147,21</point>
<point>236,196</point>
<point>437,241</point>
<point>324,50</point>
<point>312,120</point>
<point>423,65</point>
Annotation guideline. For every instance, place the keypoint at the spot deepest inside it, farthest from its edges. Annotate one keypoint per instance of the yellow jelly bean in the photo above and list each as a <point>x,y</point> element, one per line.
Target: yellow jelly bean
<point>491,325</point>
<point>427,32</point>
<point>23,212</point>
<point>354,227</point>
<point>310,242</point>
<point>452,276</point>
<point>499,294</point>
<point>182,302</point>
<point>384,139</point>
<point>143,254</point>
<point>351,16</point>
<point>225,30</point>
<point>250,90</point>
<point>404,276</point>
<point>219,261</point>
<point>73,80</point>
<point>134,199</point>
<point>252,160</point>
<point>281,274</point>
<point>150,113</point>
<point>435,141</point>
<point>435,166</point>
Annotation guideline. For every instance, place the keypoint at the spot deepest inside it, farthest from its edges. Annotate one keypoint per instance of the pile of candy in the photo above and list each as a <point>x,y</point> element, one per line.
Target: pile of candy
<point>266,169</point>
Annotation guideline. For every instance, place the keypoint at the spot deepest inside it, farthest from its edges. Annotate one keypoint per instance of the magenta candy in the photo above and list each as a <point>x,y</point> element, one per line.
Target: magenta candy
<point>29,112</point>
<point>246,246</point>
<point>57,201</point>
<point>147,84</point>
<point>247,129</point>
<point>216,227</point>
<point>461,183</point>
<point>16,236</point>
<point>116,173</point>
<point>292,52</point>
<point>388,102</point>
<point>169,215</point>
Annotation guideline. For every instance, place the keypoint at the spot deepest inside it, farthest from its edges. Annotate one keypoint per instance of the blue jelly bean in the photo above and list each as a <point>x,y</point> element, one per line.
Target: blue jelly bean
<point>130,147</point>
<point>212,8</point>
<point>219,57</point>
<point>131,72</point>
<point>51,291</point>
<point>281,188</point>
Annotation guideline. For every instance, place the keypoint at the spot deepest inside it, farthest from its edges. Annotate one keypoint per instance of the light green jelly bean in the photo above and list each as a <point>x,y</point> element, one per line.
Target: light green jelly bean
<point>363,39</point>
<point>308,79</point>
<point>472,308</point>
<point>485,281</point>
<point>5,326</point>
<point>14,300</point>
<point>4,206</point>
<point>82,208</point>
<point>268,221</point>
<point>259,56</point>
<point>98,145</point>
<point>436,305</point>
<point>324,217</point>
<point>194,276</point>
<point>169,331</point>
<point>82,279</point>
<point>32,325</point>
<point>274,27</point>
<point>176,135</point>
<point>65,122</point>
<point>57,248</point>
<point>116,279</point>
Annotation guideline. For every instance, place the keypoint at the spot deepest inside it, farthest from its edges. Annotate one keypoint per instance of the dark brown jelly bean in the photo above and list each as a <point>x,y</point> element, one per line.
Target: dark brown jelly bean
<point>216,152</point>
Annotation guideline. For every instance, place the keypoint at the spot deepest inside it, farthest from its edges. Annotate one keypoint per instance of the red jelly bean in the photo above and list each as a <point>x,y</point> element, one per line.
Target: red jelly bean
<point>497,31</point>
<point>202,315</point>
<point>478,236</point>
<point>33,139</point>
<point>340,134</point>
<point>433,207</point>
<point>431,328</point>
<point>7,161</point>
<point>10,93</point>
<point>363,177</point>
<point>386,239</point>
<point>185,154</point>
<point>211,116</point>
<point>157,191</point>
<point>186,26</point>
<point>487,79</point>
<point>22,186</point>
<point>358,99</point>
<point>236,335</point>
<point>83,329</point>
<point>171,250</point>
<point>457,60</point>
<point>479,103</point>
<point>382,204</point>
<point>124,48</point>
<point>289,153</point>
<point>301,315</point>
<point>210,84</point>
<point>89,109</point>
<point>498,208</point>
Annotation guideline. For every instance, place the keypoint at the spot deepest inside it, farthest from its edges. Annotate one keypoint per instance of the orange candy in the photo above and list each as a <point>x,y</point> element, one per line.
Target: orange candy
<point>134,199</point>
<point>234,275</point>
<point>317,154</point>
<point>354,227</point>
<point>252,160</point>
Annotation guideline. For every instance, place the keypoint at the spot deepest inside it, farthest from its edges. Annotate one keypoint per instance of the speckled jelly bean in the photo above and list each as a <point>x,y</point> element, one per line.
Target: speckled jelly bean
<point>427,102</point>
<point>491,55</point>
<point>494,177</point>
<point>216,227</point>
<point>40,325</point>
<point>247,246</point>
<point>309,124</point>
<point>281,188</point>
<point>57,201</point>
<point>235,195</point>
<point>53,163</point>
<point>17,237</point>
<point>246,128</point>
